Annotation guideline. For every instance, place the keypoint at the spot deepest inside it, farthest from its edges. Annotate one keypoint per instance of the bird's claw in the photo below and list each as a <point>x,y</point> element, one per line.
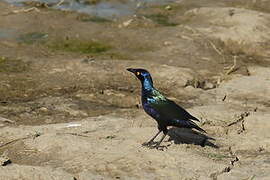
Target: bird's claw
<point>161,148</point>
<point>157,147</point>
<point>149,144</point>
<point>154,145</point>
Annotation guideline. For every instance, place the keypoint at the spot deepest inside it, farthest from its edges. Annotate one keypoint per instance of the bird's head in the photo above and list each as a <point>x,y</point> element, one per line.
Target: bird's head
<point>141,74</point>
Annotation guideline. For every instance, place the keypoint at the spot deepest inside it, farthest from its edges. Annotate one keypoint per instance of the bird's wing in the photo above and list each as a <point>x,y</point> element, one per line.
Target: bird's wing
<point>175,115</point>
<point>170,109</point>
<point>179,110</point>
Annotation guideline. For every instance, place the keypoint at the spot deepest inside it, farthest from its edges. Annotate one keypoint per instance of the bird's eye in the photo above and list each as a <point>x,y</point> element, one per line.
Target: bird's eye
<point>138,73</point>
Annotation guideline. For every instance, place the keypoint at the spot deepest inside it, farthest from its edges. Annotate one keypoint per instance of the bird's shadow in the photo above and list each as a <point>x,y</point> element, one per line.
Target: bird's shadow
<point>189,136</point>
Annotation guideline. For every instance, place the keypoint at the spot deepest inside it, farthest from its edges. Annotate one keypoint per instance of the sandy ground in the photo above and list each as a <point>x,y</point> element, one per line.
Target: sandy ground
<point>70,110</point>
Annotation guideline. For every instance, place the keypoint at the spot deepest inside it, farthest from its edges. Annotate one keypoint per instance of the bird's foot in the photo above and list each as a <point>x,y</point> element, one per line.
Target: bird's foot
<point>149,144</point>
<point>161,148</point>
<point>154,145</point>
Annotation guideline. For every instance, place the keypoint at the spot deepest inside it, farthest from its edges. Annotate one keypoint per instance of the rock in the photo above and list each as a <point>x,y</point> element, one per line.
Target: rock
<point>4,159</point>
<point>168,7</point>
<point>127,23</point>
<point>43,109</point>
<point>208,85</point>
<point>167,43</point>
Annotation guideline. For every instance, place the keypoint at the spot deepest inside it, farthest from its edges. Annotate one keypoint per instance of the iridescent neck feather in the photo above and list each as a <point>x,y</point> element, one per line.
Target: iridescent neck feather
<point>147,83</point>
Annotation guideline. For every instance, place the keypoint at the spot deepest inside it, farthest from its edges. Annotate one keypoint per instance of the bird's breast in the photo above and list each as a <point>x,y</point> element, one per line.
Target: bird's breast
<point>151,111</point>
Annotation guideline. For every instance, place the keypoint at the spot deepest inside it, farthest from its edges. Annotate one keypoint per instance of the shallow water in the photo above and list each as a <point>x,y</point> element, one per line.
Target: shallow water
<point>105,9</point>
<point>7,33</point>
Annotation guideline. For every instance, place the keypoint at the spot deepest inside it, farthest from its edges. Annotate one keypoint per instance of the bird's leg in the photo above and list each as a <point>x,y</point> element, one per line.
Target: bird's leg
<point>158,144</point>
<point>149,143</point>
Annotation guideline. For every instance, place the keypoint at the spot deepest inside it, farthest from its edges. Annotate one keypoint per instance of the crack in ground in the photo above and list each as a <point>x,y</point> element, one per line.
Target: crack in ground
<point>228,168</point>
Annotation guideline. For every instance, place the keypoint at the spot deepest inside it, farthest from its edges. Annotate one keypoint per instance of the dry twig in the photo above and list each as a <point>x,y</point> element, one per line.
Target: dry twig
<point>233,67</point>
<point>74,134</point>
<point>239,118</point>
<point>23,11</point>
<point>13,141</point>
<point>60,2</point>
<point>6,120</point>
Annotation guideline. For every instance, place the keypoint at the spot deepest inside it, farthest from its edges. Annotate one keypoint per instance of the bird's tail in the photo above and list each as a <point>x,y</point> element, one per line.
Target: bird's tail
<point>186,124</point>
<point>195,126</point>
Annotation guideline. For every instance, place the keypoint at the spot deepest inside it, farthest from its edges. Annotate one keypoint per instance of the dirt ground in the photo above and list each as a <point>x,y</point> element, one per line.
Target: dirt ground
<point>70,110</point>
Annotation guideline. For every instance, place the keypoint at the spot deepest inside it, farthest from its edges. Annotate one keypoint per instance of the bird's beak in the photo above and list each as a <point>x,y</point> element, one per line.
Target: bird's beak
<point>131,70</point>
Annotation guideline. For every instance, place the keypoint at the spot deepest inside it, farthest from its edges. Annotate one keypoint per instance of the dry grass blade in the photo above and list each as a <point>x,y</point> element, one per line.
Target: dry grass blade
<point>215,48</point>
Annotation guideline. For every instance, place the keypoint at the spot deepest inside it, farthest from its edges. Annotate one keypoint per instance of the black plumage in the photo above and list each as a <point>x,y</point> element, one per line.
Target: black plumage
<point>164,111</point>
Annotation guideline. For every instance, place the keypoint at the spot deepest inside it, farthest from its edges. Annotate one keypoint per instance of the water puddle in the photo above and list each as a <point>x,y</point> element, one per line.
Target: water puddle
<point>100,8</point>
<point>7,33</point>
<point>31,38</point>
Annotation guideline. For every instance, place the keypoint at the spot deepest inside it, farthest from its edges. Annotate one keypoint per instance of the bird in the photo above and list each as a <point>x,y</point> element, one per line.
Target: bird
<point>165,111</point>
